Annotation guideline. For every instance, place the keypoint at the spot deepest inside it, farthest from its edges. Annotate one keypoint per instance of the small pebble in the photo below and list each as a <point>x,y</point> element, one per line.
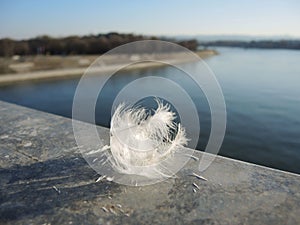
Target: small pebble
<point>27,144</point>
<point>104,209</point>
<point>113,211</point>
<point>109,178</point>
<point>196,186</point>
<point>95,159</point>
<point>56,189</point>
<point>100,178</point>
<point>4,136</point>
<point>198,176</point>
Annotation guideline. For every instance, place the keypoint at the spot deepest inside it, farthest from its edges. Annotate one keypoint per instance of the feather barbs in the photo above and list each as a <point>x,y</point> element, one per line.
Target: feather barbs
<point>139,139</point>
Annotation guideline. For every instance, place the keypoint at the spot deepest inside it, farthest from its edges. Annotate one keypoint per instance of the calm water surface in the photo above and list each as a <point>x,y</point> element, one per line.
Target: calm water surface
<point>261,89</point>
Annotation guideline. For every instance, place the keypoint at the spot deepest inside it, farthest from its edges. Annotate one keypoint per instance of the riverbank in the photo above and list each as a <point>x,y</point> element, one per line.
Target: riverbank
<point>261,44</point>
<point>72,66</point>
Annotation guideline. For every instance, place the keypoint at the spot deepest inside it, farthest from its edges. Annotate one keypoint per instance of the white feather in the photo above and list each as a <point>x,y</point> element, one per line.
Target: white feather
<point>139,141</point>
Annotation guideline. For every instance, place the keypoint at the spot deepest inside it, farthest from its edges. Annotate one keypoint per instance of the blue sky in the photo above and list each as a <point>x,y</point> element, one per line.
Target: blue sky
<point>29,18</point>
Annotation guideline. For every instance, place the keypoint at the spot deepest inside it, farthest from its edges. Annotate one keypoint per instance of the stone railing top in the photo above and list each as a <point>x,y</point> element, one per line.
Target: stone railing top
<point>45,180</point>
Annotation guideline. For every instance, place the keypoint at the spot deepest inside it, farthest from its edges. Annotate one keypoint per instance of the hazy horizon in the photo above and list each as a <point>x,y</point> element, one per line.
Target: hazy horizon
<point>210,37</point>
<point>28,19</point>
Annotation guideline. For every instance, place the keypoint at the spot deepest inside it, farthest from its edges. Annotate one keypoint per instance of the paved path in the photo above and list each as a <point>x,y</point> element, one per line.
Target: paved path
<point>111,63</point>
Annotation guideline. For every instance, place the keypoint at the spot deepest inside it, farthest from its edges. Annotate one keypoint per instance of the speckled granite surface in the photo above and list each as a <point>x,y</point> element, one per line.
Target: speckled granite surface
<point>44,180</point>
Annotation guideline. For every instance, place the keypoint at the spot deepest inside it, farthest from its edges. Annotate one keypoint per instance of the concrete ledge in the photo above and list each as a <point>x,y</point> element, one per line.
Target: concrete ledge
<point>44,180</point>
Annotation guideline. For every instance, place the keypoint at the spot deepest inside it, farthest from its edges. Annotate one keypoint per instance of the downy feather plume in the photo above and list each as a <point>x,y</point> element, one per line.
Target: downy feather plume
<point>140,141</point>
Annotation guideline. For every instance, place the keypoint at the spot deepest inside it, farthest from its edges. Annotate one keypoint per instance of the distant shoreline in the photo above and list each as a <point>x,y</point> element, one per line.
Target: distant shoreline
<point>67,73</point>
<point>266,44</point>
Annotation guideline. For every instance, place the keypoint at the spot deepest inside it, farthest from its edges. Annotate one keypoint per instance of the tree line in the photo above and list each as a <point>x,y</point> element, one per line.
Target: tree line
<point>76,45</point>
<point>282,44</point>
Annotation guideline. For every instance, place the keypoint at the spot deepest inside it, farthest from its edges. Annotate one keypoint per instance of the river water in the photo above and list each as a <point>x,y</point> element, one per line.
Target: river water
<point>261,90</point>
